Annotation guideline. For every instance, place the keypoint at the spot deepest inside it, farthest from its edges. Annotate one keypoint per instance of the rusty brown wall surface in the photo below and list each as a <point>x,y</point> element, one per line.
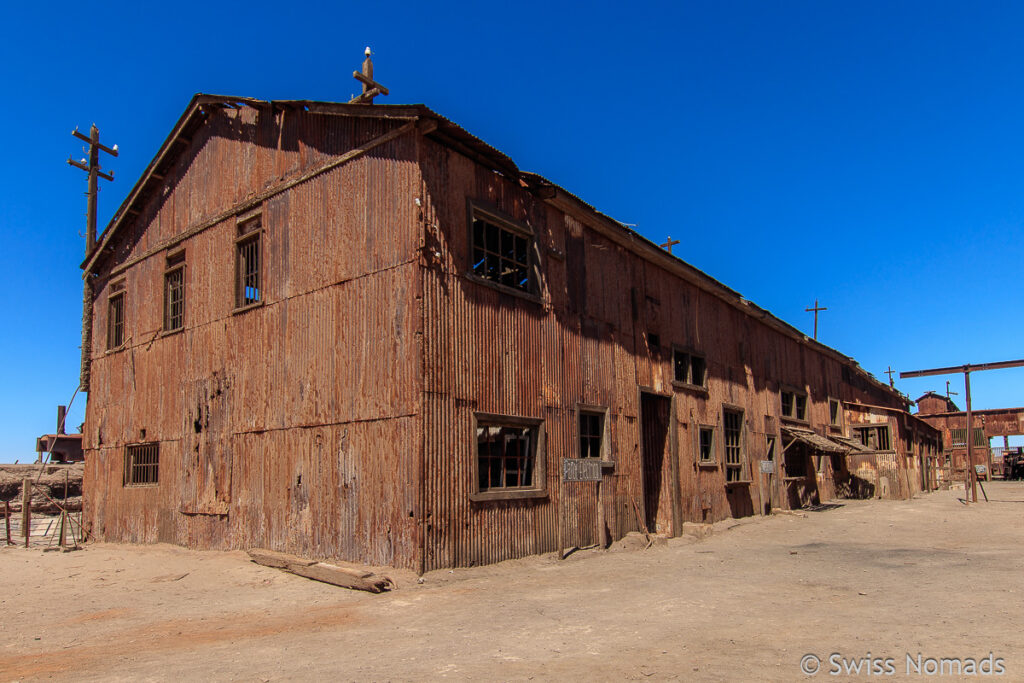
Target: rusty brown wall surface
<point>584,341</point>
<point>293,425</point>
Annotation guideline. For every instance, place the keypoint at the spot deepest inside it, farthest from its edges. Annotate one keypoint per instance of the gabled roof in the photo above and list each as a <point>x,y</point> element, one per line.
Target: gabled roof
<point>454,136</point>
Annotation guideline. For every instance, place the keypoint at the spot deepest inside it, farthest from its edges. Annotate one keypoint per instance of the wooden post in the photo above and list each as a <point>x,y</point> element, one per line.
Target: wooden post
<point>561,516</point>
<point>26,507</point>
<point>63,524</point>
<point>7,520</point>
<point>600,517</point>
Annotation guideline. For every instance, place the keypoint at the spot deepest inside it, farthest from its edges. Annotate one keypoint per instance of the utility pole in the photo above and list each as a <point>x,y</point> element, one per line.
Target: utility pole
<point>948,392</point>
<point>890,372</point>
<point>816,309</point>
<point>92,167</point>
<point>967,369</point>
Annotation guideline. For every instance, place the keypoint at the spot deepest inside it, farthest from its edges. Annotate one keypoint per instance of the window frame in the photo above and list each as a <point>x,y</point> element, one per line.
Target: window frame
<point>687,382</point>
<point>740,467</point>
<point>605,456</point>
<point>701,462</point>
<point>796,393</point>
<point>175,266</point>
<point>836,424</point>
<point>539,487</point>
<point>476,209</point>
<point>872,430</point>
<point>117,298</point>
<point>243,238</point>
<point>131,452</point>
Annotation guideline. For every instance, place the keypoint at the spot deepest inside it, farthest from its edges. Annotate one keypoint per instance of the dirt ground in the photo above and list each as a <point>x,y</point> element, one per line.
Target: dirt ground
<point>926,577</point>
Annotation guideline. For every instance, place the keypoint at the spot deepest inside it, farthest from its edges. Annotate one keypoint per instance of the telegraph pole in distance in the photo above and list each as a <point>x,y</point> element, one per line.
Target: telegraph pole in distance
<point>92,167</point>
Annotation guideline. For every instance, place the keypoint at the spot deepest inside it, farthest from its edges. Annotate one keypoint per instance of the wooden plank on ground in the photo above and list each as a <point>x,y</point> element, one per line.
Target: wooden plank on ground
<point>342,576</point>
<point>272,558</point>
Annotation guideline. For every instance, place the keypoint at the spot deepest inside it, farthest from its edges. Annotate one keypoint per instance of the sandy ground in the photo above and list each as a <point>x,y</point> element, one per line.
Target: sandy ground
<point>928,576</point>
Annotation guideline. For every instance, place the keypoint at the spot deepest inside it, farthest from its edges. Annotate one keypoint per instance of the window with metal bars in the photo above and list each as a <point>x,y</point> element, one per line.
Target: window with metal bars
<point>115,319</point>
<point>732,434</point>
<point>174,295</point>
<point>142,464</point>
<point>506,456</point>
<point>959,437</point>
<point>501,253</point>
<point>249,283</point>
<point>591,434</point>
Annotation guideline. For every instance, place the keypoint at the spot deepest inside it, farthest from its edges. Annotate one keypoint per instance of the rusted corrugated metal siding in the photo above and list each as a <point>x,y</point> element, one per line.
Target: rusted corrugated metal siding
<point>585,342</point>
<point>294,425</point>
<point>336,419</point>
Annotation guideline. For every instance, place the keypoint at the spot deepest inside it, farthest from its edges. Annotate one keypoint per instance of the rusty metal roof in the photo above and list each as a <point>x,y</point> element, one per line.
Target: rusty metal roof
<point>816,441</point>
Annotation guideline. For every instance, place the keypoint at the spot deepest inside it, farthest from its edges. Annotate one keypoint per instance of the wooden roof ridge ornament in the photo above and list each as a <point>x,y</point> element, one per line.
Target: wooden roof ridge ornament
<point>371,88</point>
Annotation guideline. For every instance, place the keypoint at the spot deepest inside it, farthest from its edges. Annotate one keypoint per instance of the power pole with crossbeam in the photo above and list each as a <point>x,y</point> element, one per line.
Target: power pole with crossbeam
<point>890,372</point>
<point>92,167</point>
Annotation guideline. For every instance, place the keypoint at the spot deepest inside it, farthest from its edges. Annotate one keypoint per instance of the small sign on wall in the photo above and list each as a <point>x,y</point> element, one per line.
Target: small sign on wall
<point>580,469</point>
<point>980,470</point>
<point>767,467</point>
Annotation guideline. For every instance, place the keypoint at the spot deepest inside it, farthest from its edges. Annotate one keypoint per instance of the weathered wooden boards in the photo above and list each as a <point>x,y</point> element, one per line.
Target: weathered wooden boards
<point>345,577</point>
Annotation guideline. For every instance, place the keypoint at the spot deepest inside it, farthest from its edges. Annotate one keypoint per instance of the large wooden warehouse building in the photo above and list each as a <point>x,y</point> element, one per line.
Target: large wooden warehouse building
<point>356,331</point>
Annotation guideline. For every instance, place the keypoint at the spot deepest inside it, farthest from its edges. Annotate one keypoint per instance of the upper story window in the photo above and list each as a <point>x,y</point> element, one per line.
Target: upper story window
<point>142,464</point>
<point>174,293</point>
<point>706,445</point>
<point>689,368</point>
<point>875,437</point>
<point>502,252</point>
<point>115,316</point>
<point>248,275</point>
<point>835,413</point>
<point>794,404</point>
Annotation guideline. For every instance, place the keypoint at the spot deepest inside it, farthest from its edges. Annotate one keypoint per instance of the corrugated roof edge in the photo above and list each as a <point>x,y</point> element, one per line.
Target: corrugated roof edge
<point>451,133</point>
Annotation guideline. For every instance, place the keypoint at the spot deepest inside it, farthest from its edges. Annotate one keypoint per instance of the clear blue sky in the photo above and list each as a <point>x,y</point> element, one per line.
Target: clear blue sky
<point>869,155</point>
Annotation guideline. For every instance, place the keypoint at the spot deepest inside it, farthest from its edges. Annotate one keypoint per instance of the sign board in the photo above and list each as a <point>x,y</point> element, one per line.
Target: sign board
<point>581,469</point>
<point>980,470</point>
<point>767,467</point>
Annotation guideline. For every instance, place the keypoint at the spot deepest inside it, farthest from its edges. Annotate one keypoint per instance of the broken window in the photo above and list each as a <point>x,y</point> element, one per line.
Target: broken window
<point>794,404</point>
<point>706,444</point>
<point>591,433</point>
<point>501,252</point>
<point>248,286</point>
<point>689,368</point>
<point>835,413</point>
<point>115,316</point>
<point>769,453</point>
<point>141,464</point>
<point>507,453</point>
<point>732,435</point>
<point>174,293</point>
<point>875,437</point>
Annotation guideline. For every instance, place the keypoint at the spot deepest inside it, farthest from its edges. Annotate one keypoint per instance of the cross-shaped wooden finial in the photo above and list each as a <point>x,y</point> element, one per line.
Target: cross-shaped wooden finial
<point>371,88</point>
<point>890,372</point>
<point>668,244</point>
<point>816,309</point>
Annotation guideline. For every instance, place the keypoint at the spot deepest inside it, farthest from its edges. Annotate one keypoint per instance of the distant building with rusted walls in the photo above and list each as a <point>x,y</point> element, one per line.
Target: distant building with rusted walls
<point>952,423</point>
<point>359,332</point>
